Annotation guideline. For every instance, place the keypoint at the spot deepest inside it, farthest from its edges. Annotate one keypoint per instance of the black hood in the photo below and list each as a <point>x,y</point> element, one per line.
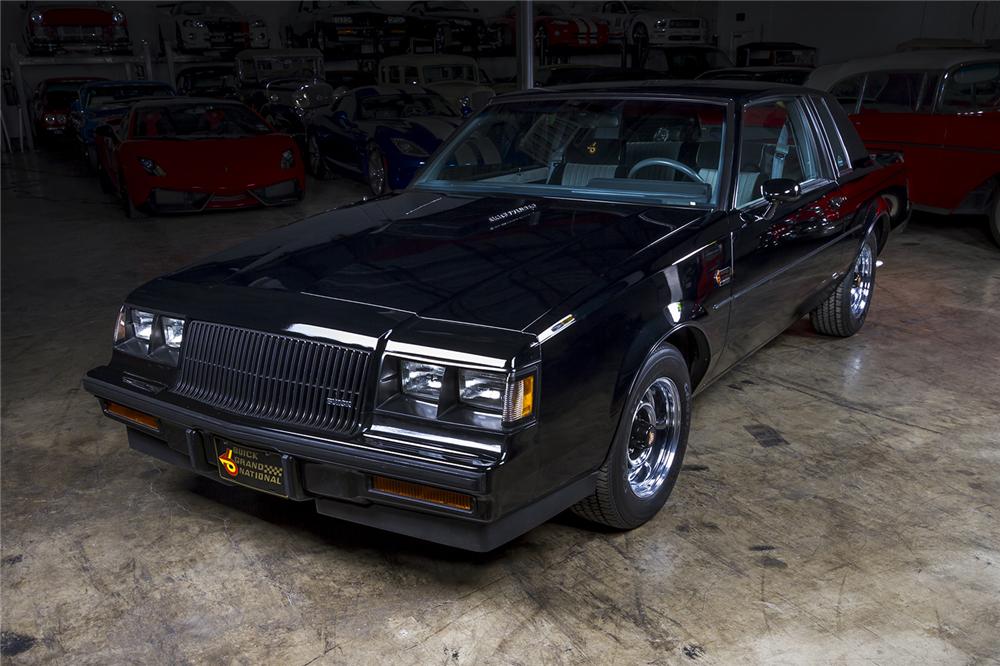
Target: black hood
<point>500,260</point>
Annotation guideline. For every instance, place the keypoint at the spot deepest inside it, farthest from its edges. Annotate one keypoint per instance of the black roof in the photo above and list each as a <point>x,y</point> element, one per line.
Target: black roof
<point>716,89</point>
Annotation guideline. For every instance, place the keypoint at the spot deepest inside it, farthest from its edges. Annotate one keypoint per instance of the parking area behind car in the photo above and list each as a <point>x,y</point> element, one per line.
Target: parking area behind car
<point>838,500</point>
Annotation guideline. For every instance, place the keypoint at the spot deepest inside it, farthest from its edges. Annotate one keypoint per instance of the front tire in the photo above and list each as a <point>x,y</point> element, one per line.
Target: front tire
<point>843,313</point>
<point>645,458</point>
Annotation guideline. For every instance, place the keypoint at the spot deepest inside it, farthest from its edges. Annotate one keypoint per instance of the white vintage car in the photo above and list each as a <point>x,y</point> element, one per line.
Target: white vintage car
<point>455,77</point>
<point>196,27</point>
<point>651,23</point>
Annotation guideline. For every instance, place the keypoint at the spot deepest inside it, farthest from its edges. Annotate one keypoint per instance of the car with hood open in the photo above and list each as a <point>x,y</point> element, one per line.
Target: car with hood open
<point>384,134</point>
<point>520,331</point>
<point>186,155</point>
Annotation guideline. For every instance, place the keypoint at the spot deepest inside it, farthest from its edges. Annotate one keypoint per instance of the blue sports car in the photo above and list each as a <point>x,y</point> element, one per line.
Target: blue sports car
<point>107,103</point>
<point>382,133</point>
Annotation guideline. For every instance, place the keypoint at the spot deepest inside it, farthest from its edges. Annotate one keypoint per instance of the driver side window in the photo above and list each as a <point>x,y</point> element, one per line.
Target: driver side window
<point>777,142</point>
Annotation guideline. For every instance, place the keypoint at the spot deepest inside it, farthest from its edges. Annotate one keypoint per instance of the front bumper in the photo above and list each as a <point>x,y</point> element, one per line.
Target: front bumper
<point>195,200</point>
<point>337,474</point>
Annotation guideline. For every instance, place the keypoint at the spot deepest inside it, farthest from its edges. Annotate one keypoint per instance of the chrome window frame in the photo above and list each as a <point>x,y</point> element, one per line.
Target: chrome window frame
<point>816,100</point>
<point>805,186</point>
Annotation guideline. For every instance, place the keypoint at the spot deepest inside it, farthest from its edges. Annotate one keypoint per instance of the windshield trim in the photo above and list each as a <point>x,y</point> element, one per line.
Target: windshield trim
<point>722,200</point>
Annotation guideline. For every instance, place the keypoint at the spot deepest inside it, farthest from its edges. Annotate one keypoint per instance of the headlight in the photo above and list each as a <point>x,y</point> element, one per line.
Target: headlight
<point>259,23</point>
<point>50,118</point>
<point>661,24</point>
<point>36,17</point>
<point>149,334</point>
<point>423,380</point>
<point>287,159</point>
<point>482,389</point>
<point>118,17</point>
<point>173,332</point>
<point>407,147</point>
<point>151,167</point>
<point>142,324</point>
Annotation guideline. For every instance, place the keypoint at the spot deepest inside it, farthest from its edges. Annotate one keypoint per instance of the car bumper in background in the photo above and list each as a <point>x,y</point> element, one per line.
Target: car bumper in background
<point>193,200</point>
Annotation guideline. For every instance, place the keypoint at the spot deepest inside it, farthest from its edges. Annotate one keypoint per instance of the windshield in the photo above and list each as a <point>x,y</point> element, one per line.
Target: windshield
<point>395,107</point>
<point>59,98</point>
<point>687,63</point>
<point>215,8</point>
<point>439,73</point>
<point>197,121</point>
<point>667,151</point>
<point>107,95</point>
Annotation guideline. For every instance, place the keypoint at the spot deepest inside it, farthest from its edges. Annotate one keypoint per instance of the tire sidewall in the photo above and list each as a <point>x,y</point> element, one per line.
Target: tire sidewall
<point>665,362</point>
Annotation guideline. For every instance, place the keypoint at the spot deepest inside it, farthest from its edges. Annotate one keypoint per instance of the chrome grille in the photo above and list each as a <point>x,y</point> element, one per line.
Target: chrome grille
<point>275,378</point>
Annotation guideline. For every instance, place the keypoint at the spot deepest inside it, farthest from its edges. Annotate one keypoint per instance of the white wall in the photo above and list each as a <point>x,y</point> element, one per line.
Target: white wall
<point>846,30</point>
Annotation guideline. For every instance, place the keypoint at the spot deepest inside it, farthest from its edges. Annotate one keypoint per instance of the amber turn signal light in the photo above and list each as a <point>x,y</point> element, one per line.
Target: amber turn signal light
<point>420,492</point>
<point>135,416</point>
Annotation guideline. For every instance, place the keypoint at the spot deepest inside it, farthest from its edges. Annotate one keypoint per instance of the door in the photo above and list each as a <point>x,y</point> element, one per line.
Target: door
<point>783,255</point>
<point>895,116</point>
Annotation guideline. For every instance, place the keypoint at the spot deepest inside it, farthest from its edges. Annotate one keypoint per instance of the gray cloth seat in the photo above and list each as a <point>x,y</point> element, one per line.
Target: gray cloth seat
<point>750,176</point>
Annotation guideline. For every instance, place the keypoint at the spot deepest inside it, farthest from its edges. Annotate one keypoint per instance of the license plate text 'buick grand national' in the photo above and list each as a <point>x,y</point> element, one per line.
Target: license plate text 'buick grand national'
<point>521,330</point>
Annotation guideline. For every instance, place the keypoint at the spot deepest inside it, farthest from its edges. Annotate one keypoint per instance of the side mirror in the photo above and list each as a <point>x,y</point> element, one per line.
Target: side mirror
<point>780,190</point>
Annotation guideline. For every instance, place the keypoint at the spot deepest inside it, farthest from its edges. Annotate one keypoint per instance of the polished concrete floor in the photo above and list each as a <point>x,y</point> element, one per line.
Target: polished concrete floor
<point>869,533</point>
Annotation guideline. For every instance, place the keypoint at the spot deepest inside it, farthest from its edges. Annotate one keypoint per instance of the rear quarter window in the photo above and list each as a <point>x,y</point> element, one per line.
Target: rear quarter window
<point>856,151</point>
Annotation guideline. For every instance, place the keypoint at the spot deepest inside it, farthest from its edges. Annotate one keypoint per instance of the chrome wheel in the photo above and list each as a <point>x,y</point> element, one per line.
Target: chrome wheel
<point>655,436</point>
<point>861,282</point>
<point>376,171</point>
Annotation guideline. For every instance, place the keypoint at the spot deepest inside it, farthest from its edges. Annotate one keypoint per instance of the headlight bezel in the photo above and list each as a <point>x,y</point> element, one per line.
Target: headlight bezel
<point>450,406</point>
<point>156,345</point>
<point>408,147</point>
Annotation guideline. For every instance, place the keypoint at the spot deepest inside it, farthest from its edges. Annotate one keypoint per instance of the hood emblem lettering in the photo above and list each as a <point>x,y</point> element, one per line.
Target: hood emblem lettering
<point>338,402</point>
<point>508,216</point>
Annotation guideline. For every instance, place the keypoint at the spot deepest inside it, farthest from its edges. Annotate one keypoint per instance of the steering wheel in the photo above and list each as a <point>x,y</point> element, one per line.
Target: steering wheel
<point>667,162</point>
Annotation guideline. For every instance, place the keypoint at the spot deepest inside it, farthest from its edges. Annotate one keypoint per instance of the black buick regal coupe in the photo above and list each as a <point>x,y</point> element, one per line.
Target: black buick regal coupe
<point>521,330</point>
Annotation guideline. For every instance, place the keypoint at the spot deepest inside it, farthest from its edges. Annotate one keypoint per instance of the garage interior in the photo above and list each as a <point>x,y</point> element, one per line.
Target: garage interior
<point>838,501</point>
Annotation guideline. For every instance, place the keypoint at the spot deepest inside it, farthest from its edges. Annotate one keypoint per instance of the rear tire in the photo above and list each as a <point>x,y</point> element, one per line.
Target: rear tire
<point>646,455</point>
<point>995,218</point>
<point>843,313</point>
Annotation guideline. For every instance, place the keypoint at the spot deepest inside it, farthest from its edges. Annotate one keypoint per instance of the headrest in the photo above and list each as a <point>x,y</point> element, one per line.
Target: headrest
<point>708,154</point>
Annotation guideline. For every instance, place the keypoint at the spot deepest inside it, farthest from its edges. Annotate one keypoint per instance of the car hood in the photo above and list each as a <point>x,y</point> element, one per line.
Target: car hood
<point>205,160</point>
<point>500,261</point>
<point>425,130</point>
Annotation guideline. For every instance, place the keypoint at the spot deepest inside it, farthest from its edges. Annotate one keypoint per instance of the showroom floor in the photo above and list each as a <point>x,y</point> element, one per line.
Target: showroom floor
<point>866,528</point>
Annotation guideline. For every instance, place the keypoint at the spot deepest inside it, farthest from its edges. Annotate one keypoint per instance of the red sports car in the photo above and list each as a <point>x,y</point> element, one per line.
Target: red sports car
<point>556,31</point>
<point>185,154</point>
<point>51,101</point>
<point>77,27</point>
